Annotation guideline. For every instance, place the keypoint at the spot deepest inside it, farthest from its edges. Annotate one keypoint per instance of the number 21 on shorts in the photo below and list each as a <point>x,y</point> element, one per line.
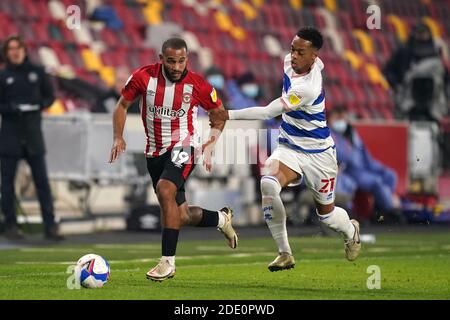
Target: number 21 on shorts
<point>328,185</point>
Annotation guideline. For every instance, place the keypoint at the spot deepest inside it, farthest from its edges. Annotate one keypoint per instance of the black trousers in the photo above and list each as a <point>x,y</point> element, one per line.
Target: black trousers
<point>8,168</point>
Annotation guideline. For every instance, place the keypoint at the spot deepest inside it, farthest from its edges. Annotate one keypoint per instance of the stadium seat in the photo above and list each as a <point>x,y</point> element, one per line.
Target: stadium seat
<point>365,41</point>
<point>56,9</point>
<point>273,46</point>
<point>107,75</point>
<point>434,26</point>
<point>235,35</point>
<point>91,60</point>
<point>49,58</point>
<point>83,34</point>
<point>7,26</point>
<point>296,4</point>
<point>400,27</point>
<point>152,12</point>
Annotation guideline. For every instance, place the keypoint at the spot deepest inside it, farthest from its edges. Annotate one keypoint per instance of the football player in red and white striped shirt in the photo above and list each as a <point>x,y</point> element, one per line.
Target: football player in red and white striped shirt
<point>170,95</point>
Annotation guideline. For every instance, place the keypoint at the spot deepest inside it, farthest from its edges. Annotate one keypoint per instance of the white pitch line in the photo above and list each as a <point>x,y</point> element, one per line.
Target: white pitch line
<point>300,261</point>
<point>45,262</point>
<point>59,273</point>
<point>236,255</point>
<point>226,248</point>
<point>53,249</point>
<point>122,246</point>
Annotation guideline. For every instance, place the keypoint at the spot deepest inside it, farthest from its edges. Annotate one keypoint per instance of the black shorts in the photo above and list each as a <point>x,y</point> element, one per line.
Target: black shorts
<point>176,166</point>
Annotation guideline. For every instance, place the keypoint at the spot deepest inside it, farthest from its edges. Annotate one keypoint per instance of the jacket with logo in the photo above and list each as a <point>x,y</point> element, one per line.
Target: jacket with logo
<point>24,91</point>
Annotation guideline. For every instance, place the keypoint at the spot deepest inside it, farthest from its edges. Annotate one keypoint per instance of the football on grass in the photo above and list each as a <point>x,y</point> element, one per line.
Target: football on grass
<point>93,271</point>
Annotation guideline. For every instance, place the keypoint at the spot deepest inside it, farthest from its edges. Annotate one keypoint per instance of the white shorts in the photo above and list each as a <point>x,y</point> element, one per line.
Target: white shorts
<point>318,169</point>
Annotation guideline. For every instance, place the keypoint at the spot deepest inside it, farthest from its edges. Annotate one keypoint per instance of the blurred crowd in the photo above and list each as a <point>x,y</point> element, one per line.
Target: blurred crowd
<point>416,74</point>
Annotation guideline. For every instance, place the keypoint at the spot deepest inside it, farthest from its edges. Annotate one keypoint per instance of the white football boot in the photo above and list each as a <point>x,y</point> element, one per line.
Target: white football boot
<point>163,270</point>
<point>283,261</point>
<point>353,246</point>
<point>227,228</point>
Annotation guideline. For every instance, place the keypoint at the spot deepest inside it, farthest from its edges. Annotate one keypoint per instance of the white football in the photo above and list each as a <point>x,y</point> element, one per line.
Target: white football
<point>92,271</point>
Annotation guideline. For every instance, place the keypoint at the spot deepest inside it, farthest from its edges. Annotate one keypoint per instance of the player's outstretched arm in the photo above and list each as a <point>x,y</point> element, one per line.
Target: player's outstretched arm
<point>119,118</point>
<point>217,123</point>
<point>272,110</point>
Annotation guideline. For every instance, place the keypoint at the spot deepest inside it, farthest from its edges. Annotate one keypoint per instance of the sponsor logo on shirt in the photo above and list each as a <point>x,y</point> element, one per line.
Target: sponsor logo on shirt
<point>160,111</point>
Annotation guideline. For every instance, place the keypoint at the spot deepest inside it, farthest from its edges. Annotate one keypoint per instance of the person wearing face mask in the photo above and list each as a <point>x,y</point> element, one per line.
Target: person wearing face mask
<point>357,168</point>
<point>244,91</point>
<point>106,101</point>
<point>216,78</point>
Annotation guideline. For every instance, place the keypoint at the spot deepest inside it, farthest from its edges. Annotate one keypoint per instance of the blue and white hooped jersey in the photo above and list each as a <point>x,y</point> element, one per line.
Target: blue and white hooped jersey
<point>304,125</point>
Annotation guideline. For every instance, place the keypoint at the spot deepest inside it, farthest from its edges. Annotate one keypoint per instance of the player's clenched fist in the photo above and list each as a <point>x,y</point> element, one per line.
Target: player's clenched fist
<point>118,147</point>
<point>220,115</point>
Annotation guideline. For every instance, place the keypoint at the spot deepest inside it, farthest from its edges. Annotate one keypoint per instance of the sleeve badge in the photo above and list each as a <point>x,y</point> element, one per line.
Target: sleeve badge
<point>214,95</point>
<point>294,99</point>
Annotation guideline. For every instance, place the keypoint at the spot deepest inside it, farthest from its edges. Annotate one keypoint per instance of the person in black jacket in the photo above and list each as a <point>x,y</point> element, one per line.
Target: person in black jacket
<point>25,89</point>
<point>418,77</point>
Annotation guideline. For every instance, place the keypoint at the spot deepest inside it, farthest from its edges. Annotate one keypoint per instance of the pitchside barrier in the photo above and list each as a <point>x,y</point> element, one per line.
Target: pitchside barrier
<point>78,147</point>
<point>410,148</point>
<point>79,144</point>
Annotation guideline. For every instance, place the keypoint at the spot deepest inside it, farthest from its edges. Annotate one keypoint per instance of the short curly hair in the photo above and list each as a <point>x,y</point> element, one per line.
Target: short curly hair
<point>311,34</point>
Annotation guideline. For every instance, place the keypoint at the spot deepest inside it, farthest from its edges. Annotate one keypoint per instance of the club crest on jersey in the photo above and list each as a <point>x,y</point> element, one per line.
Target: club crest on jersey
<point>294,99</point>
<point>33,77</point>
<point>214,95</point>
<point>187,97</point>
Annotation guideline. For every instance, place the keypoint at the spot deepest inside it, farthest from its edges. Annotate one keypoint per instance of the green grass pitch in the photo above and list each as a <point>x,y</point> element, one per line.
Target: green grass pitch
<point>412,266</point>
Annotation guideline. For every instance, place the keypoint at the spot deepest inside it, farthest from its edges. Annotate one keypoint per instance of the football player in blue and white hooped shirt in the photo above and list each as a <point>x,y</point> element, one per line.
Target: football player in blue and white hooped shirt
<point>306,148</point>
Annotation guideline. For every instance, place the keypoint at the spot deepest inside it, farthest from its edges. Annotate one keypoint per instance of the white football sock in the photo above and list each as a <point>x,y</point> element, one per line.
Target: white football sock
<point>222,219</point>
<point>274,212</point>
<point>171,259</point>
<point>339,221</point>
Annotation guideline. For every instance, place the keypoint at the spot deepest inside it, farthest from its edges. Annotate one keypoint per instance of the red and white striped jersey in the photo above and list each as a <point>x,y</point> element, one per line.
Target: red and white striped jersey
<point>169,109</point>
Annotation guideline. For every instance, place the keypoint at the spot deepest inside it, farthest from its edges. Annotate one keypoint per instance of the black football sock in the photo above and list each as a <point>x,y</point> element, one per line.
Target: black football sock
<point>209,218</point>
<point>169,241</point>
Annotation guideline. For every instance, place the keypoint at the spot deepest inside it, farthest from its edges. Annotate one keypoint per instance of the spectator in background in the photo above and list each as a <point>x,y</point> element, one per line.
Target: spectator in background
<point>244,92</point>
<point>25,90</point>
<point>357,168</point>
<point>216,78</point>
<point>107,100</point>
<point>70,85</point>
<point>108,15</point>
<point>418,77</point>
